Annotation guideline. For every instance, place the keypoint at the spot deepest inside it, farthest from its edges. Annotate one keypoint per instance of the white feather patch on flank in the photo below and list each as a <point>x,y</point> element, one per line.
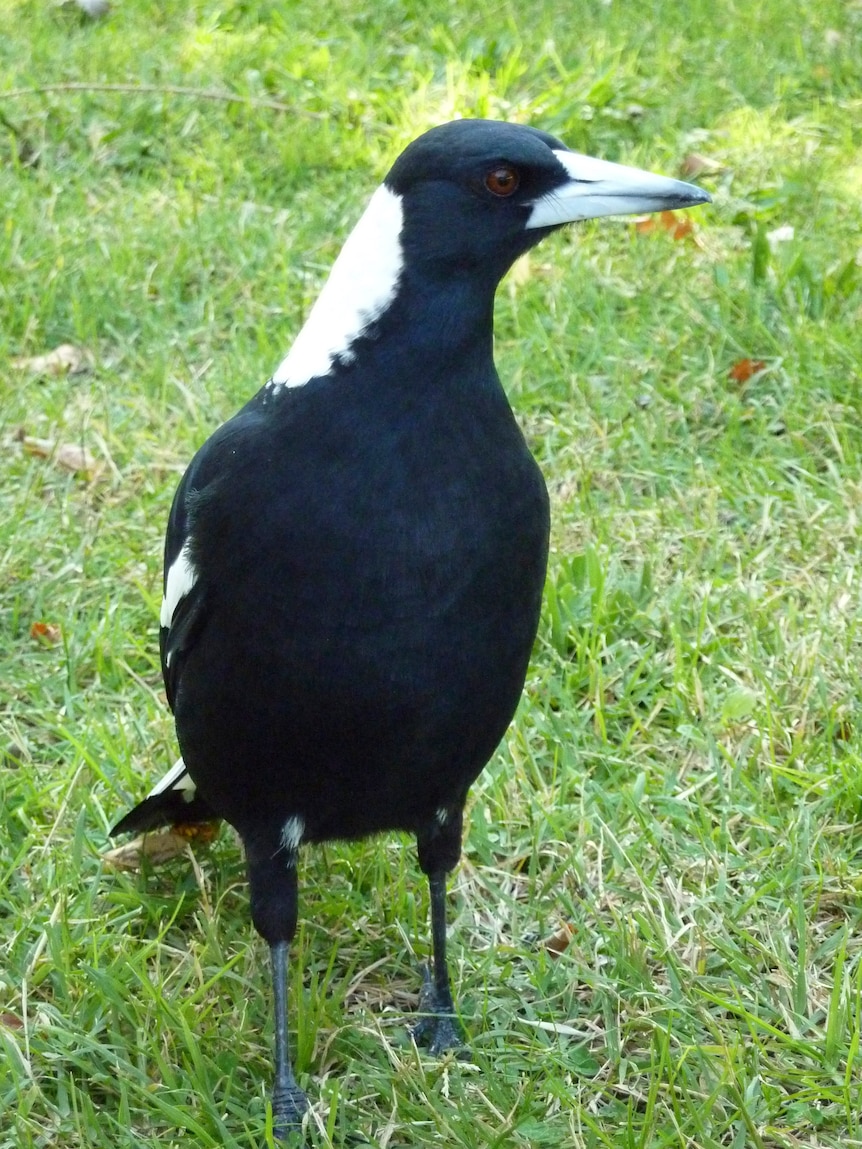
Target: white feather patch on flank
<point>180,579</point>
<point>177,778</point>
<point>291,833</point>
<point>361,285</point>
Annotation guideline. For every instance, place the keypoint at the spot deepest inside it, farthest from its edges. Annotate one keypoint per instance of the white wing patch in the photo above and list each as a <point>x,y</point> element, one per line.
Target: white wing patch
<point>361,285</point>
<point>179,581</point>
<point>177,778</point>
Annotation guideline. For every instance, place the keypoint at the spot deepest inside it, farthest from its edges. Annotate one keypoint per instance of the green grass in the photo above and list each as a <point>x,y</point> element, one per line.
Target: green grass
<point>682,784</point>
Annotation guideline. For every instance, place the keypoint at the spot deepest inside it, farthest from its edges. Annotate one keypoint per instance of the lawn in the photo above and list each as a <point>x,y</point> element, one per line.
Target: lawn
<point>657,925</point>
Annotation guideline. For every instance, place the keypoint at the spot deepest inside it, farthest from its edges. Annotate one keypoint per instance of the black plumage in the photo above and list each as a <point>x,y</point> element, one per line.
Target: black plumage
<point>354,563</point>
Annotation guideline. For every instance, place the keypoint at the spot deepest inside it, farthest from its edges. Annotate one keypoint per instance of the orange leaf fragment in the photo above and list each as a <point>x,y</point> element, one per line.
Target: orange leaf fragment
<point>744,369</point>
<point>201,832</point>
<point>680,227</point>
<point>560,941</point>
<point>48,633</point>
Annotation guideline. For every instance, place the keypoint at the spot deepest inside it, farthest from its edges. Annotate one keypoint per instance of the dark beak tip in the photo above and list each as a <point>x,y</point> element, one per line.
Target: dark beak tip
<point>698,196</point>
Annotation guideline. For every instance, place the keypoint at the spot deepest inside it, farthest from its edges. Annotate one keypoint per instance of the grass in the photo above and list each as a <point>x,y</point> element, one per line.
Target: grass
<point>676,806</point>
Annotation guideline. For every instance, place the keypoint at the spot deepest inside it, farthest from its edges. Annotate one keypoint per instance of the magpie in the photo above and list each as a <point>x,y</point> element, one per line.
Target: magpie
<point>354,562</point>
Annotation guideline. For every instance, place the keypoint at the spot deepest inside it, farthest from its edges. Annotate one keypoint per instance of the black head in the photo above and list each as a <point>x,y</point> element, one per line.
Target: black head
<point>478,193</point>
<point>458,207</point>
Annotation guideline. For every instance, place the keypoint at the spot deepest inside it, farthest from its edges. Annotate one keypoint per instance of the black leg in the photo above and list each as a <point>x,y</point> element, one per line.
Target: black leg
<point>289,1102</point>
<point>440,1028</point>
<point>272,878</point>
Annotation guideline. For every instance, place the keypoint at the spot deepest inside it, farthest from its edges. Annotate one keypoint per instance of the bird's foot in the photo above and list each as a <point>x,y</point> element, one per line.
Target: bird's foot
<point>439,1028</point>
<point>289,1103</point>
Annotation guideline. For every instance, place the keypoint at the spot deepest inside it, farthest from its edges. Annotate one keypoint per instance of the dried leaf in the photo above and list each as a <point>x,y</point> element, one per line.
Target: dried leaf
<point>156,848</point>
<point>680,227</point>
<point>160,846</point>
<point>645,225</point>
<point>70,456</point>
<point>695,164</point>
<point>745,369</point>
<point>10,1021</point>
<point>48,633</point>
<point>63,360</point>
<point>560,941</point>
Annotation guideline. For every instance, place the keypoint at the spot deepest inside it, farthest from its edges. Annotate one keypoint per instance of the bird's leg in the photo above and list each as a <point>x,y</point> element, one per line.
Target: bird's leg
<point>440,1028</point>
<point>274,899</point>
<point>289,1102</point>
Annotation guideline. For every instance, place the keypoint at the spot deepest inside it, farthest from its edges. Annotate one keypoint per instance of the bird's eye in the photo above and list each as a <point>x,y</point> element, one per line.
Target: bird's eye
<point>502,180</point>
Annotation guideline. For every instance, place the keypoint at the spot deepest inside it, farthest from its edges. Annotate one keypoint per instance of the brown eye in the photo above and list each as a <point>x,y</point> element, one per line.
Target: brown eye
<point>502,180</point>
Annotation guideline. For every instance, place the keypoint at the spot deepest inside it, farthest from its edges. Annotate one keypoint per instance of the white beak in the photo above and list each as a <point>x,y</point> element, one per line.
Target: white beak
<point>598,187</point>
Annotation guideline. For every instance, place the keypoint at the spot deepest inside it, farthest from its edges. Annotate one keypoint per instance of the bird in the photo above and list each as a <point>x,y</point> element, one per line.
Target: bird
<point>354,562</point>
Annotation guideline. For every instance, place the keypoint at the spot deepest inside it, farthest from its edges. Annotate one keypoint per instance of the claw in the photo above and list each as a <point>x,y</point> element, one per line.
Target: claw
<point>289,1104</point>
<point>439,1029</point>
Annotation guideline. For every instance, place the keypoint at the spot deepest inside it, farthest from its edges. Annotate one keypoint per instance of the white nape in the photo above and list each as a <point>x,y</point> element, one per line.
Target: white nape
<point>179,581</point>
<point>177,778</point>
<point>361,285</point>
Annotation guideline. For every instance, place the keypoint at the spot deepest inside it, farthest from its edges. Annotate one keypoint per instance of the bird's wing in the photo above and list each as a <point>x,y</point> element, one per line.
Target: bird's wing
<point>186,601</point>
<point>172,801</point>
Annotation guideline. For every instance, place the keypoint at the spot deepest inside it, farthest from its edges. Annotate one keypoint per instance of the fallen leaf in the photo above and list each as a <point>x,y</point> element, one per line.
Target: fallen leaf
<point>63,360</point>
<point>48,633</point>
<point>159,847</point>
<point>559,942</point>
<point>201,832</point>
<point>680,227</point>
<point>70,456</point>
<point>744,369</point>
<point>695,164</point>
<point>10,1021</point>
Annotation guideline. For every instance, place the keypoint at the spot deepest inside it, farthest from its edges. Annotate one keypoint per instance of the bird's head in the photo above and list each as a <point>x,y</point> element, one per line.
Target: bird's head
<point>479,193</point>
<point>457,208</point>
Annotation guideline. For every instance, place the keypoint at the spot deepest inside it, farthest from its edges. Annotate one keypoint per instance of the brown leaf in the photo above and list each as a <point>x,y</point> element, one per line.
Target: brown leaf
<point>744,369</point>
<point>48,633</point>
<point>695,164</point>
<point>559,942</point>
<point>10,1021</point>
<point>63,360</point>
<point>70,456</point>
<point>160,846</point>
